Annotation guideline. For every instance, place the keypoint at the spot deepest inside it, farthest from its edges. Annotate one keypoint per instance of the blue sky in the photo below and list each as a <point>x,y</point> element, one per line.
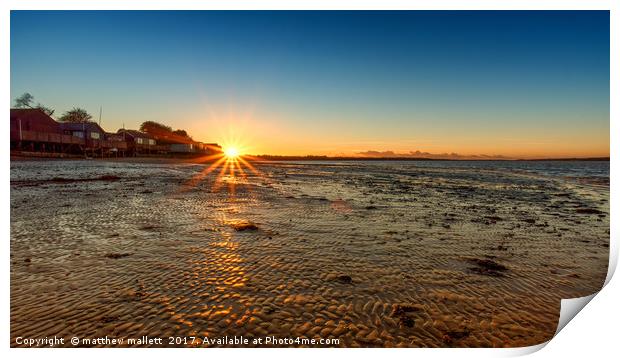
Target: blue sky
<point>514,83</point>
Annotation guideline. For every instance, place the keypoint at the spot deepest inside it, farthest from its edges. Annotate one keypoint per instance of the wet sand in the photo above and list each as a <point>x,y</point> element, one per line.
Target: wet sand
<point>376,256</point>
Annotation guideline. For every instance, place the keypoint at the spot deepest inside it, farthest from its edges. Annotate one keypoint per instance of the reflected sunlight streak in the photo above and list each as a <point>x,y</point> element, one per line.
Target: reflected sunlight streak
<point>231,168</point>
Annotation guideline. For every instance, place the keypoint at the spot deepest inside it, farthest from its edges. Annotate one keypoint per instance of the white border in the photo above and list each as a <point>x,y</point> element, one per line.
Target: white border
<point>594,330</point>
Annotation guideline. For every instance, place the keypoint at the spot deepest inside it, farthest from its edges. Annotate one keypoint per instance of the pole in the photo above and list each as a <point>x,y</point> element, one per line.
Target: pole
<point>84,137</point>
<point>20,135</point>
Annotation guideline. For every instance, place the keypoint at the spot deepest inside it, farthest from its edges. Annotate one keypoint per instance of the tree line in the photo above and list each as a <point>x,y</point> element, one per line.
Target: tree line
<point>75,115</point>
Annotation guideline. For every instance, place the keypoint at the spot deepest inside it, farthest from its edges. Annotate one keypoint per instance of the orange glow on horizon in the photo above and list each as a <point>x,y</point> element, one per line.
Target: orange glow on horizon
<point>252,128</point>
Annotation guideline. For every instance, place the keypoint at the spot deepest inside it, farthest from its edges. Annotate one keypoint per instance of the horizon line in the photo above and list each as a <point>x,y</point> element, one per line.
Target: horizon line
<point>276,157</point>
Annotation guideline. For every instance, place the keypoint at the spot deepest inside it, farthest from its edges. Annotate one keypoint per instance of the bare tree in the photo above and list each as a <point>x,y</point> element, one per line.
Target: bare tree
<point>76,115</point>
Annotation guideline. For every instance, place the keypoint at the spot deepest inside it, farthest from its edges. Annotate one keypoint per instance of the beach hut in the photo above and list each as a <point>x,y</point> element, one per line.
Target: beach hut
<point>32,119</point>
<point>91,131</point>
<point>33,131</point>
<point>140,142</point>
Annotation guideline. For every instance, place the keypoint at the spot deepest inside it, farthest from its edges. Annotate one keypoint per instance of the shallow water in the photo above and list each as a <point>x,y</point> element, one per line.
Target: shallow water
<point>381,254</point>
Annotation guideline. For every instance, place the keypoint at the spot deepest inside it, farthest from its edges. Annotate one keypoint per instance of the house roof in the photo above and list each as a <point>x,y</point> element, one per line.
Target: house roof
<point>33,114</point>
<point>90,126</point>
<point>33,118</point>
<point>134,133</point>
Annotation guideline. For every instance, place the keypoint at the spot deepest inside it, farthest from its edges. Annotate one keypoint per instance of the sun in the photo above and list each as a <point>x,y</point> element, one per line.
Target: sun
<point>231,152</point>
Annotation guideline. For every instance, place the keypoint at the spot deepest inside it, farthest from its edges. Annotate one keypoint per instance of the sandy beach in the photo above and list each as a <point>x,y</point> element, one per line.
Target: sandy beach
<point>373,255</point>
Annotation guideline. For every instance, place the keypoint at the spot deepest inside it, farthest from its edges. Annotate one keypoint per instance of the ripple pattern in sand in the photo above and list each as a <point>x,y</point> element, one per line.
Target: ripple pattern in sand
<point>381,256</point>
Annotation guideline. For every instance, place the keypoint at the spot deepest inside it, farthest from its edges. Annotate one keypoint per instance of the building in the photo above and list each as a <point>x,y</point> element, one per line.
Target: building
<point>141,143</point>
<point>33,131</point>
<point>211,148</point>
<point>182,148</point>
<point>197,148</point>
<point>118,144</point>
<point>91,131</point>
<point>95,139</point>
<point>33,119</point>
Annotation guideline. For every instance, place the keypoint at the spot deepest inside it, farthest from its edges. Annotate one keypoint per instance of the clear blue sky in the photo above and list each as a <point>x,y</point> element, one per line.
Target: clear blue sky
<point>513,83</point>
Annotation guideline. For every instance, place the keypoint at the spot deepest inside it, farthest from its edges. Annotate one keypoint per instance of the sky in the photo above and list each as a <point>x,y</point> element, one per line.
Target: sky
<point>519,84</point>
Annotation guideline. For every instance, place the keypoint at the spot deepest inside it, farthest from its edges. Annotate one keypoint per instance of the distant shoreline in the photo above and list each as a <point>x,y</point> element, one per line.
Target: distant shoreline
<point>266,158</point>
<point>325,158</point>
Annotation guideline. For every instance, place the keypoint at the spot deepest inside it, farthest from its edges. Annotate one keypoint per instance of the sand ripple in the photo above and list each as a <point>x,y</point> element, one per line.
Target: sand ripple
<point>386,256</point>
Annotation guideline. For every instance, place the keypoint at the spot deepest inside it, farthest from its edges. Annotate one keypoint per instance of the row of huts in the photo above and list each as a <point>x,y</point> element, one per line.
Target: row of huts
<point>36,133</point>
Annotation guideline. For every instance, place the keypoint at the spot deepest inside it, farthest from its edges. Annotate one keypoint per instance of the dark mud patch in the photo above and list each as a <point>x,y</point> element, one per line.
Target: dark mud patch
<point>116,255</point>
<point>487,267</point>
<point>62,180</point>
<point>494,218</point>
<point>588,211</point>
<point>73,180</point>
<point>149,227</point>
<point>109,319</point>
<point>452,336</point>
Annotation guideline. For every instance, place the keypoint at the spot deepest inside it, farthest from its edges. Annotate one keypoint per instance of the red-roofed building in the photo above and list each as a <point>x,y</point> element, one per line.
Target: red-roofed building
<point>32,130</point>
<point>35,132</point>
<point>32,119</point>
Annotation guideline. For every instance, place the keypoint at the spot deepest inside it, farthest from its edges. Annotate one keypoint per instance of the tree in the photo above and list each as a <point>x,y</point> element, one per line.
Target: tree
<point>24,101</point>
<point>76,115</point>
<point>47,110</point>
<point>155,128</point>
<point>181,132</point>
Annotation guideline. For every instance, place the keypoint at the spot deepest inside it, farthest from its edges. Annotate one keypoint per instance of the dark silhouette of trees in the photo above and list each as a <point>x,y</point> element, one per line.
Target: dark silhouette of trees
<point>76,115</point>
<point>165,133</point>
<point>25,101</point>
<point>155,128</point>
<point>181,132</point>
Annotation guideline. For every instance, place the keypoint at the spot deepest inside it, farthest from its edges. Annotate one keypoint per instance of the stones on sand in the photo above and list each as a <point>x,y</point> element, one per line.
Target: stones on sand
<point>405,313</point>
<point>244,226</point>
<point>340,278</point>
<point>345,279</point>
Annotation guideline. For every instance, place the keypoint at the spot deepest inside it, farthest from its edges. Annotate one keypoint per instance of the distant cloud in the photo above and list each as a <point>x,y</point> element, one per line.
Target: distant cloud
<point>419,154</point>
